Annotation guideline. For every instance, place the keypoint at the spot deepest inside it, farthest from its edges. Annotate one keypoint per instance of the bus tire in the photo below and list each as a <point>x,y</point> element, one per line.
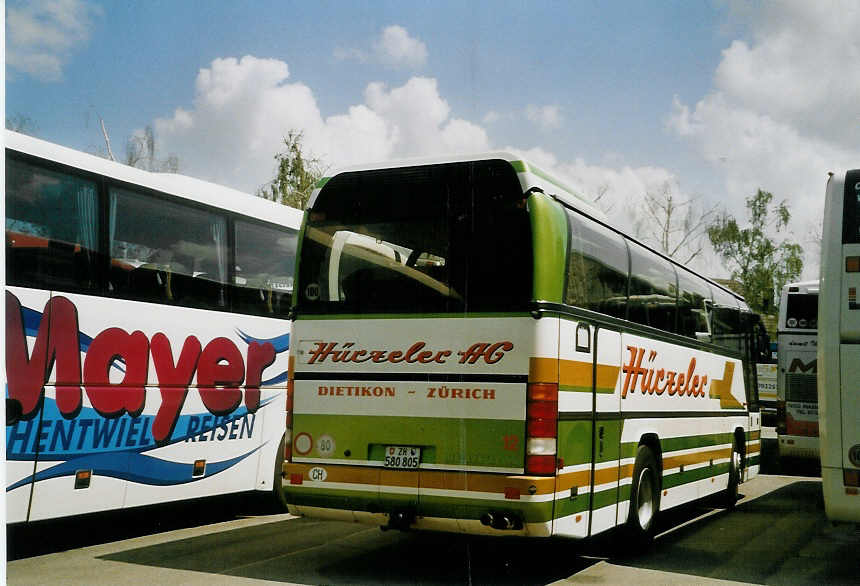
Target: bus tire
<point>644,496</point>
<point>735,467</point>
<point>279,501</point>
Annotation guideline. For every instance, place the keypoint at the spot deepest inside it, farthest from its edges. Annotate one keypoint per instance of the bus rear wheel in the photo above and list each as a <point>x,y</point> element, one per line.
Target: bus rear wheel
<point>735,467</point>
<point>279,501</point>
<point>644,496</point>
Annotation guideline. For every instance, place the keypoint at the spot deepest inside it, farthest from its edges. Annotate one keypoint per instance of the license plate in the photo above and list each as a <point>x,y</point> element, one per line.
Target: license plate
<point>402,457</point>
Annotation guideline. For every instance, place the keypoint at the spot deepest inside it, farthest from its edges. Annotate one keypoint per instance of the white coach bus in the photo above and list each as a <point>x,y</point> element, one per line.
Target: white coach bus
<point>797,394</point>
<point>839,348</point>
<point>146,335</point>
<point>476,349</point>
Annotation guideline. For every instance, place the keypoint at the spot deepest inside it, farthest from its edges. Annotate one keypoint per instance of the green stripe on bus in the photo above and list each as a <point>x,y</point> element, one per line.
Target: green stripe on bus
<point>301,239</point>
<point>549,242</point>
<point>558,183</point>
<point>674,444</point>
<point>680,478</point>
<point>443,440</point>
<point>569,506</point>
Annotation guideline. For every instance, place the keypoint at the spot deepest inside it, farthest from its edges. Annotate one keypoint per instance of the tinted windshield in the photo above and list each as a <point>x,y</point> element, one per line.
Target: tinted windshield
<point>441,238</point>
<point>801,311</point>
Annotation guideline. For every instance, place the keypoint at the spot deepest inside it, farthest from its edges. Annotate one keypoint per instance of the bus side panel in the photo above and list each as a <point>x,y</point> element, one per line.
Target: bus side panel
<point>575,428</point>
<point>845,503</point>
<point>611,483</point>
<point>690,402</point>
<point>237,446</point>
<point>21,444</point>
<point>132,413</point>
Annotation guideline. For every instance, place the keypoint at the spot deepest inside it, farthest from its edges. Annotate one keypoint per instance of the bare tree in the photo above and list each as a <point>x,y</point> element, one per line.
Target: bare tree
<point>140,153</point>
<point>603,204</point>
<point>140,150</point>
<point>677,224</point>
<point>21,123</point>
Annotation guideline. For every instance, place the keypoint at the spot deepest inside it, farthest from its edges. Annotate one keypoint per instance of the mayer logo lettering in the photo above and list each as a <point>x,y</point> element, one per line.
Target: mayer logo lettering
<point>798,365</point>
<point>219,366</point>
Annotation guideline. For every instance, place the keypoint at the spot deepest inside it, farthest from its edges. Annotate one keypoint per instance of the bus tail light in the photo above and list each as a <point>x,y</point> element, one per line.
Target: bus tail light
<point>851,477</point>
<point>541,428</point>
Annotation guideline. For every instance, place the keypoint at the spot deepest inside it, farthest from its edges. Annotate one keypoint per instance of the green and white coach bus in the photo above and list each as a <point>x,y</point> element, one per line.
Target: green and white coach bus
<point>476,349</point>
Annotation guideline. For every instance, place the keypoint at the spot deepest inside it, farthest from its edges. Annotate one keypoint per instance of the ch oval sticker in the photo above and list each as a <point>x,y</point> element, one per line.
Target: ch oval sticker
<point>317,474</point>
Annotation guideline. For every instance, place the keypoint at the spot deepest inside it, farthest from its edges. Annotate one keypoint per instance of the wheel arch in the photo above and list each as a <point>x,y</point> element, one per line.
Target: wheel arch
<point>652,441</point>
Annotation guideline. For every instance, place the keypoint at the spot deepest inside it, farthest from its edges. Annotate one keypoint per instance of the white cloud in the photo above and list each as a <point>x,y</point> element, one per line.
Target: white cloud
<point>616,191</point>
<point>783,110</point>
<point>243,108</point>
<point>394,47</point>
<point>547,117</point>
<point>42,34</point>
<point>491,117</point>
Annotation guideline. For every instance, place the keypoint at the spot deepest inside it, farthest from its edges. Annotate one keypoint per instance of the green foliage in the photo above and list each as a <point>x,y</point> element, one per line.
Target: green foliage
<point>760,263</point>
<point>296,175</point>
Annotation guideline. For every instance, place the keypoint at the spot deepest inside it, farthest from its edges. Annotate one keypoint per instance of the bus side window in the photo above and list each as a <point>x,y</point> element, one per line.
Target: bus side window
<point>726,320</point>
<point>52,226</point>
<point>653,289</point>
<point>596,268</point>
<point>166,252</point>
<point>265,262</point>
<point>694,306</point>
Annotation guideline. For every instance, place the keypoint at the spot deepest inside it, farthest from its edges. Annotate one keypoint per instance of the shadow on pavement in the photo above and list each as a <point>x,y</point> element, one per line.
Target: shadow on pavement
<point>43,537</point>
<point>781,537</point>
<point>327,552</point>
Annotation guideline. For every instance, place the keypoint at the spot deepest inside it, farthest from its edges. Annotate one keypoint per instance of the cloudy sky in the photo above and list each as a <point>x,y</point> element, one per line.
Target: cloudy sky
<point>712,99</point>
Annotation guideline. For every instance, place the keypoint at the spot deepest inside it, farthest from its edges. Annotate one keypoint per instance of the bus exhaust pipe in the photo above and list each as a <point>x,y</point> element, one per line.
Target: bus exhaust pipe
<point>399,520</point>
<point>501,521</point>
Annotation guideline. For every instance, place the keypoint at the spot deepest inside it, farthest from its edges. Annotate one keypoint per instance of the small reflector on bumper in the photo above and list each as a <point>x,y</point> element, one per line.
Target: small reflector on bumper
<point>296,479</point>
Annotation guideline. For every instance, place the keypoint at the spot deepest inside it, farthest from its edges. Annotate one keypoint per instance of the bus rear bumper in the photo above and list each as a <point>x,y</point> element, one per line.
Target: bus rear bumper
<point>473,503</point>
<point>442,524</point>
<point>798,446</point>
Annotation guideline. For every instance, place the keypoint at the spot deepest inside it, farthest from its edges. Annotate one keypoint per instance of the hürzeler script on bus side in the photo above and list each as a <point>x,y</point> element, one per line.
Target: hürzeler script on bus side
<point>417,353</point>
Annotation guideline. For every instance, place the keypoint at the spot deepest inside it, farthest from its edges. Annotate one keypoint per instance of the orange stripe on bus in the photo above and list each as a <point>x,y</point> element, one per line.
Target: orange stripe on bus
<point>435,479</point>
<point>697,458</point>
<point>543,370</point>
<point>572,373</point>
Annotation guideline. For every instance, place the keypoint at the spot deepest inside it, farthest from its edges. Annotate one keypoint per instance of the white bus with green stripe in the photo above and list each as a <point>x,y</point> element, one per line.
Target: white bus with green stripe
<point>838,358</point>
<point>477,350</point>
